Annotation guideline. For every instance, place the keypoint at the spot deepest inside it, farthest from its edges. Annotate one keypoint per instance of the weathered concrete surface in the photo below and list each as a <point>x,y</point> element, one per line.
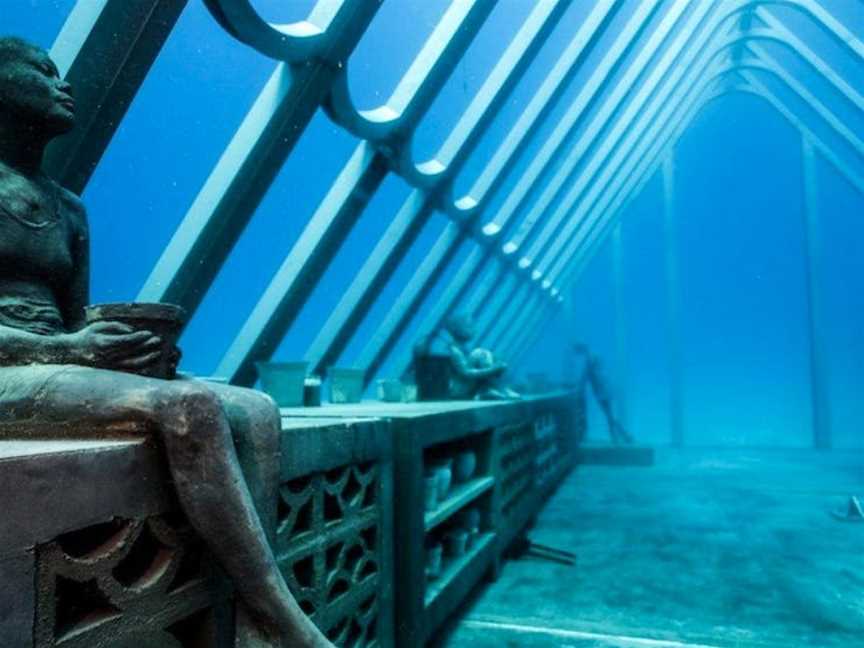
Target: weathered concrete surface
<point>717,548</point>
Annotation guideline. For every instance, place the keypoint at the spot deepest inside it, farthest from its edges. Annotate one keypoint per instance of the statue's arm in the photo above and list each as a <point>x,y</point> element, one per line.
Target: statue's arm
<point>22,348</point>
<point>462,367</point>
<point>78,292</point>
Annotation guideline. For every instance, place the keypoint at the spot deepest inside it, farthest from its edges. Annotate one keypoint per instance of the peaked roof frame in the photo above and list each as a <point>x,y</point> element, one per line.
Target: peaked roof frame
<point>520,259</point>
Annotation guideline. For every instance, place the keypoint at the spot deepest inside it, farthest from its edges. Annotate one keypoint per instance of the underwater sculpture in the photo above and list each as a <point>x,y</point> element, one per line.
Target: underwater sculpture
<point>594,376</point>
<point>61,376</point>
<point>473,373</point>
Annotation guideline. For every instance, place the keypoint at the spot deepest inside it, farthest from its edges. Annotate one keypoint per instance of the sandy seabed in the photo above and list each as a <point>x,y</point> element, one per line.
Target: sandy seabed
<point>707,548</point>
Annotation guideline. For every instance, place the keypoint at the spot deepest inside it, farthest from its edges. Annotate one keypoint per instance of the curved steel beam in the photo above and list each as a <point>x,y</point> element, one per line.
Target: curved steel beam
<point>393,123</point>
<point>105,50</point>
<point>554,225</point>
<point>321,36</point>
<point>589,246</point>
<point>555,252</point>
<point>493,174</point>
<point>547,283</point>
<point>394,244</point>
<point>777,71</point>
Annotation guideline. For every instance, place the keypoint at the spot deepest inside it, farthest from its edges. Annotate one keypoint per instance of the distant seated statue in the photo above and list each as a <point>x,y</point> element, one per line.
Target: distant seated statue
<point>594,377</point>
<point>473,373</point>
<point>61,377</point>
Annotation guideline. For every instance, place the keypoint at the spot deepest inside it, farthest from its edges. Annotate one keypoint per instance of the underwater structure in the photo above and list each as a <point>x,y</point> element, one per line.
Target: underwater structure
<point>388,238</point>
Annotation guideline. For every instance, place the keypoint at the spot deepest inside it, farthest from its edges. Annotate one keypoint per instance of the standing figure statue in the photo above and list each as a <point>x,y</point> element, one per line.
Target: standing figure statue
<point>474,373</point>
<point>59,376</point>
<point>602,394</point>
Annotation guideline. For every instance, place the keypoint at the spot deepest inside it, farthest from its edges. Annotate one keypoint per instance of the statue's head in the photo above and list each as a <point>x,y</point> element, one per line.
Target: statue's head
<point>461,327</point>
<point>32,94</point>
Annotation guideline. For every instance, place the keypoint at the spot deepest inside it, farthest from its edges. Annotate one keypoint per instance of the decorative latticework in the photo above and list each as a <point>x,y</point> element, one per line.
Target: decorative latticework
<point>550,456</point>
<point>125,584</point>
<point>329,549</point>
<point>517,448</point>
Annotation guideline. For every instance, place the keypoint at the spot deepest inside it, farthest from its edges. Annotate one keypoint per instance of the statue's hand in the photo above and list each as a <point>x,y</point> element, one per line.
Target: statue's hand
<point>174,357</point>
<point>111,345</point>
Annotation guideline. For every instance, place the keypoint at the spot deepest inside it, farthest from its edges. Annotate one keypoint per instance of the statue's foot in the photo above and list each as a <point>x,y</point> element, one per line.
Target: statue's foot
<point>491,394</point>
<point>512,394</point>
<point>250,633</point>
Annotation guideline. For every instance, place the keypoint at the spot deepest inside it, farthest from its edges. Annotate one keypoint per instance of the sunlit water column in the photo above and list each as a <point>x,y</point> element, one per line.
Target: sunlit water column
<point>622,368</point>
<point>673,302</point>
<point>815,319</point>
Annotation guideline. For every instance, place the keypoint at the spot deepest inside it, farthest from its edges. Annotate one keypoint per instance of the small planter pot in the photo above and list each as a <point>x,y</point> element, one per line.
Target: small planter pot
<point>456,543</point>
<point>444,471</point>
<point>284,381</point>
<point>409,393</point>
<point>346,385</point>
<point>464,466</point>
<point>473,536</point>
<point>312,392</point>
<point>470,518</point>
<point>430,491</point>
<point>163,320</point>
<point>434,554</point>
<point>390,390</point>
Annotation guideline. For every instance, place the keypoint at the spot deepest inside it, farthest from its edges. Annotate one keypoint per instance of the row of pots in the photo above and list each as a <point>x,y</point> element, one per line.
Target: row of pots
<point>440,475</point>
<point>289,385</point>
<point>453,543</point>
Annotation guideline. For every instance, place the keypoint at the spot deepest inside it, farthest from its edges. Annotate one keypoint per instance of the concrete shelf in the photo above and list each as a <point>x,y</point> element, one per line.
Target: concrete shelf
<point>459,566</point>
<point>460,496</point>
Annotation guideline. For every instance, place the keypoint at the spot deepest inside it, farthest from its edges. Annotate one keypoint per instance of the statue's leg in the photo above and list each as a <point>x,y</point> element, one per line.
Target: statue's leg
<point>196,435</point>
<point>256,427</point>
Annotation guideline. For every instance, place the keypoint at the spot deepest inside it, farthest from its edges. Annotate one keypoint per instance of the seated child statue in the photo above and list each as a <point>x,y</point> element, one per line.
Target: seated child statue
<point>59,376</point>
<point>474,373</point>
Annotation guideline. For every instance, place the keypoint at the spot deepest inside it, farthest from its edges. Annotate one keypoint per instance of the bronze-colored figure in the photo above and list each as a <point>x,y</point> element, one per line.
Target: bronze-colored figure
<point>594,377</point>
<point>474,373</point>
<point>60,376</point>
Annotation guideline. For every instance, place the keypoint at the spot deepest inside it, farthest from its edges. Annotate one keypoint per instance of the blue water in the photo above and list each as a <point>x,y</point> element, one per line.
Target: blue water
<point>744,337</point>
<point>731,338</point>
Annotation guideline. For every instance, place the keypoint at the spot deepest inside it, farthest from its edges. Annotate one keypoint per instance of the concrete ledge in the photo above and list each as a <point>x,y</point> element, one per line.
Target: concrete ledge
<point>51,487</point>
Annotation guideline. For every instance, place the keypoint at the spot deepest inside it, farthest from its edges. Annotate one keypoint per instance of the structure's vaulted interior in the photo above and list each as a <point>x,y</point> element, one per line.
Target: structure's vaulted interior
<point>579,281</point>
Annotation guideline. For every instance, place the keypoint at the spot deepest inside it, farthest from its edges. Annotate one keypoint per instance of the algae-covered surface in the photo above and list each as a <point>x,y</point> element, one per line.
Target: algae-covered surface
<point>713,548</point>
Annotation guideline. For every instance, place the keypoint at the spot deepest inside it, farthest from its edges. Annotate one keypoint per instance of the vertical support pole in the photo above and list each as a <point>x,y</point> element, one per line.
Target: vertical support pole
<point>622,369</point>
<point>568,366</point>
<point>673,303</point>
<point>818,369</point>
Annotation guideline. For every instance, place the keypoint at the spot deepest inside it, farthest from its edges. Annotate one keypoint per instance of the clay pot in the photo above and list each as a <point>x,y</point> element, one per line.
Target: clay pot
<point>390,390</point>
<point>444,471</point>
<point>346,385</point>
<point>473,536</point>
<point>456,542</point>
<point>163,320</point>
<point>430,491</point>
<point>312,392</point>
<point>284,381</point>
<point>434,553</point>
<point>471,518</point>
<point>464,466</point>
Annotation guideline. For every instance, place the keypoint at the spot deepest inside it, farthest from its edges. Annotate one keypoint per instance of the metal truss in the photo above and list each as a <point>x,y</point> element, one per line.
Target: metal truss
<point>747,70</point>
<point>699,19</point>
<point>105,50</point>
<point>808,55</point>
<point>521,258</point>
